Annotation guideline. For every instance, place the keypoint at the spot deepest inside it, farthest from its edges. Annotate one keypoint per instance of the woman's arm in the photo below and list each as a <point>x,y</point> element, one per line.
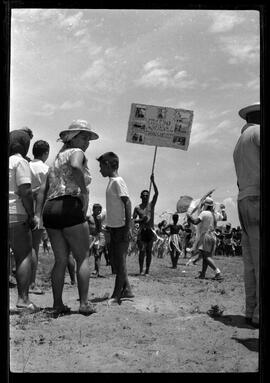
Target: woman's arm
<point>76,162</point>
<point>26,195</point>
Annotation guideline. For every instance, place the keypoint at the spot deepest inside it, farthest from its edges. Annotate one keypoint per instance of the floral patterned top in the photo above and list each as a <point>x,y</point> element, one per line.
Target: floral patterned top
<point>61,181</point>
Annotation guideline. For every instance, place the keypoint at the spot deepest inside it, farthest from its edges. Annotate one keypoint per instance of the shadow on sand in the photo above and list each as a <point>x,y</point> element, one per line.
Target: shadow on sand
<point>233,321</point>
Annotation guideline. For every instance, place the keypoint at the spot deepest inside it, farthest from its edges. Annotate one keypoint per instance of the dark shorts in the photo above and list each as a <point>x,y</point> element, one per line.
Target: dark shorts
<point>61,212</point>
<point>146,235</point>
<point>117,234</point>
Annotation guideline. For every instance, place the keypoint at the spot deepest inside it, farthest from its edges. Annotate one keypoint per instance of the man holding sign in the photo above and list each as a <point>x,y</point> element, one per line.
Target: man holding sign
<point>155,126</point>
<point>146,235</point>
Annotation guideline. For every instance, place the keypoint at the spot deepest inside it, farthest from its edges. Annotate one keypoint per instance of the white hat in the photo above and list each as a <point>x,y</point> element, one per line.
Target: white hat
<point>209,201</point>
<point>250,108</point>
<point>78,126</point>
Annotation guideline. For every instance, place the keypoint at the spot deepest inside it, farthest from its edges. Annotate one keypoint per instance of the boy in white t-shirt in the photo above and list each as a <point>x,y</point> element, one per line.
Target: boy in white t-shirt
<point>118,208</point>
<point>39,172</point>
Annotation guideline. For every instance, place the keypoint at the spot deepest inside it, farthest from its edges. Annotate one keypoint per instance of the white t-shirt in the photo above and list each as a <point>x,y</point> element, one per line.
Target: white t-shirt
<point>115,207</point>
<point>38,172</point>
<point>207,223</point>
<point>19,174</point>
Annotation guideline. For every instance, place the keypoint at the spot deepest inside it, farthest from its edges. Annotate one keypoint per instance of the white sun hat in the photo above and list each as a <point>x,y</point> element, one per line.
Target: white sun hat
<point>76,127</point>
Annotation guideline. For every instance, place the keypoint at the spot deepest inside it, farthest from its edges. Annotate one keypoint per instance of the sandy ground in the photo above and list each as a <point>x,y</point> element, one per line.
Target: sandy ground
<point>165,328</point>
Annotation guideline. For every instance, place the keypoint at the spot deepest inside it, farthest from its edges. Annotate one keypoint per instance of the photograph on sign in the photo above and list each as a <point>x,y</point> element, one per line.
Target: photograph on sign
<point>159,126</point>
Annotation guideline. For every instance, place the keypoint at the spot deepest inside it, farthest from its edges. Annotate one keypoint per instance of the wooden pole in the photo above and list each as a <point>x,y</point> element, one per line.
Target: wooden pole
<point>153,166</point>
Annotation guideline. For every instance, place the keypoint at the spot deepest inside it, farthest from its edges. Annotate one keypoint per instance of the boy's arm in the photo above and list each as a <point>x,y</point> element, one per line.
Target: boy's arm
<point>127,205</point>
<point>41,197</point>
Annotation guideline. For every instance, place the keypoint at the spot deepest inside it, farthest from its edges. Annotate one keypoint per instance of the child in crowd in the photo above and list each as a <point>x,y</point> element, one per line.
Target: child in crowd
<point>175,246</point>
<point>118,209</point>
<point>97,238</point>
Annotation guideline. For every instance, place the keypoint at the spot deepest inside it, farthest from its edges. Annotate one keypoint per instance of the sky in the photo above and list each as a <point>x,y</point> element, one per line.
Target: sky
<point>92,64</point>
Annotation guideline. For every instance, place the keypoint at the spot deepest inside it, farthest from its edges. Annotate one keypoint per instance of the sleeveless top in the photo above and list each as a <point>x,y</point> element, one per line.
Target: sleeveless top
<point>60,177</point>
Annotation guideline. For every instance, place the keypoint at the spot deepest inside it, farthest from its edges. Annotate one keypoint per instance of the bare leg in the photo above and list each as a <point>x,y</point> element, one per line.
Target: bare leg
<point>141,247</point>
<point>36,238</point>
<point>149,247</point>
<point>71,268</point>
<point>61,251</point>
<point>20,239</point>
<point>78,238</point>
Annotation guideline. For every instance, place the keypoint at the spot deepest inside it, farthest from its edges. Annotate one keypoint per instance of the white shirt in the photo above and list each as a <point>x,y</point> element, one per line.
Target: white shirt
<point>246,158</point>
<point>38,172</point>
<point>207,223</point>
<point>19,174</point>
<point>115,207</point>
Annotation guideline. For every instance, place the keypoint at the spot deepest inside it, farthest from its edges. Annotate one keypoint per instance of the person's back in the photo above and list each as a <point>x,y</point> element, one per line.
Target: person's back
<point>247,161</point>
<point>38,171</point>
<point>207,222</point>
<point>61,179</point>
<point>15,203</point>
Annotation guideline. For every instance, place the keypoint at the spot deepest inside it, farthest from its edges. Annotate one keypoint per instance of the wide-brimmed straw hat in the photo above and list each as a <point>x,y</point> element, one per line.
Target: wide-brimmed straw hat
<point>76,127</point>
<point>250,108</point>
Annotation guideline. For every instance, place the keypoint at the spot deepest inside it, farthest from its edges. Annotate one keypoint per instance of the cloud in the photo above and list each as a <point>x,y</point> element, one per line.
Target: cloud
<point>80,32</point>
<point>241,49</point>
<point>224,124</point>
<point>151,64</point>
<point>254,84</point>
<point>95,71</point>
<point>154,74</point>
<point>225,21</point>
<point>229,202</point>
<point>71,105</point>
<point>105,75</point>
<point>72,21</point>
<point>201,133</point>
<point>48,109</point>
<point>208,133</point>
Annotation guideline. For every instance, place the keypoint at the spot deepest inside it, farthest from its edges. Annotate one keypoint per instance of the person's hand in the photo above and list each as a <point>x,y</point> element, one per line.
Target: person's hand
<point>34,222</point>
<point>152,178</point>
<point>127,234</point>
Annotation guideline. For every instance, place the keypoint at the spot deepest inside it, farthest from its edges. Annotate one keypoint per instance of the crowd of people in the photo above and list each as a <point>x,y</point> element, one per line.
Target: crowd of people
<point>50,205</point>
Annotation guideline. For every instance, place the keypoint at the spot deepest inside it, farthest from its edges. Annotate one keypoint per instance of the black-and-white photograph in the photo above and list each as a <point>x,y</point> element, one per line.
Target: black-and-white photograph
<point>140,112</point>
<point>127,258</point>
